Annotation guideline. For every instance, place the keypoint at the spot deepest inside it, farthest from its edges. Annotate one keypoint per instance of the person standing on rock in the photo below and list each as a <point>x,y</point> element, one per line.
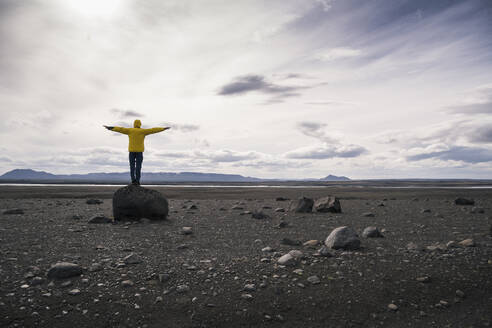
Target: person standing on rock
<point>136,136</point>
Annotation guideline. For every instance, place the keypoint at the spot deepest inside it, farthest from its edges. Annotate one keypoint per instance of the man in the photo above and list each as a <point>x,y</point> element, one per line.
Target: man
<point>136,137</point>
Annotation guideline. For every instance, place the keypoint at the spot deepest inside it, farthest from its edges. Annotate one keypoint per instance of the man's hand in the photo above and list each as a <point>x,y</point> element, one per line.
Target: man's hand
<point>109,127</point>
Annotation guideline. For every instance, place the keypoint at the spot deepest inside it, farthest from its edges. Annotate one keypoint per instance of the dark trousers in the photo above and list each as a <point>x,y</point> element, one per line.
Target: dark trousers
<point>136,160</point>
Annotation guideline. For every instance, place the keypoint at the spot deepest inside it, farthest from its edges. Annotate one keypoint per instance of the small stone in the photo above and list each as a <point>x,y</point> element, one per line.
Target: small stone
<point>66,283</point>
<point>74,292</point>
<point>424,279</point>
<point>127,283</point>
<point>13,211</point>
<point>290,242</point>
<point>464,201</point>
<point>371,232</point>
<point>163,277</point>
<point>37,281</point>
<point>24,286</point>
<point>368,215</point>
<point>343,238</point>
<point>426,210</point>
<point>99,219</point>
<point>93,201</point>
<point>281,199</point>
<point>186,230</point>
<point>95,267</point>
<point>259,215</point>
<point>460,293</point>
<point>192,207</point>
<point>249,288</point>
<point>268,249</point>
<point>62,270</point>
<point>392,307</point>
<point>311,243</point>
<point>451,244</point>
<point>467,243</point>
<point>411,246</point>
<point>237,207</point>
<point>324,251</point>
<point>246,296</point>
<point>444,303</point>
<point>314,280</point>
<point>132,259</point>
<point>298,272</point>
<point>182,289</point>
<point>158,299</point>
<point>279,209</point>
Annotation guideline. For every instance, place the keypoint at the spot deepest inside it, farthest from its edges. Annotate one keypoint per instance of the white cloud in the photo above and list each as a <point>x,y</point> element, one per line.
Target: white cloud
<point>338,53</point>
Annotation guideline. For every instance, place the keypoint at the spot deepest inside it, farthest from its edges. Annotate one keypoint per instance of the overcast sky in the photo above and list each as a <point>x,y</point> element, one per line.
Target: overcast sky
<point>274,89</point>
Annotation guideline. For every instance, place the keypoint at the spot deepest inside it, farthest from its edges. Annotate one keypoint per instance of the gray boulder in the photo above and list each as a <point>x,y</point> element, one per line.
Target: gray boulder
<point>303,205</point>
<point>343,238</point>
<point>328,204</point>
<point>62,270</point>
<point>135,202</point>
<point>371,232</point>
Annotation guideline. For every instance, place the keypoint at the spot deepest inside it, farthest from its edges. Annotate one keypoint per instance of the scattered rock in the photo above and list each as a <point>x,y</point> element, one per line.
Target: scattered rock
<point>282,224</point>
<point>290,258</point>
<point>478,210</point>
<point>95,267</point>
<point>259,215</point>
<point>371,232</point>
<point>191,207</point>
<point>411,246</point>
<point>246,296</point>
<point>303,205</point>
<point>127,283</point>
<point>132,259</point>
<point>467,243</point>
<point>324,251</point>
<point>424,279</point>
<point>368,214</point>
<point>268,249</point>
<point>99,219</point>
<point>425,210</point>
<point>186,230</point>
<point>13,211</point>
<point>311,243</point>
<point>392,307</point>
<point>182,289</point>
<point>314,280</point>
<point>464,201</point>
<point>281,199</point>
<point>279,209</point>
<point>37,281</point>
<point>74,292</point>
<point>451,244</point>
<point>62,270</point>
<point>460,293</point>
<point>93,201</point>
<point>328,204</point>
<point>249,288</point>
<point>237,207</point>
<point>343,238</point>
<point>290,242</point>
<point>134,202</point>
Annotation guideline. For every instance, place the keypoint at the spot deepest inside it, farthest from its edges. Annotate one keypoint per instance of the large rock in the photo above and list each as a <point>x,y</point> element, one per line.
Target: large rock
<point>303,205</point>
<point>328,204</point>
<point>134,202</point>
<point>343,238</point>
<point>62,270</point>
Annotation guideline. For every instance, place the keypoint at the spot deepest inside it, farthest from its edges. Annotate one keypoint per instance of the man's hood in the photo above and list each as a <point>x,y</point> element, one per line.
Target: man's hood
<point>137,124</point>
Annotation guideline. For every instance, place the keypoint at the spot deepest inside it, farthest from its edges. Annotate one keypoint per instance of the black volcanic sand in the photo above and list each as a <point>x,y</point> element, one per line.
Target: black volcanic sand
<point>224,253</point>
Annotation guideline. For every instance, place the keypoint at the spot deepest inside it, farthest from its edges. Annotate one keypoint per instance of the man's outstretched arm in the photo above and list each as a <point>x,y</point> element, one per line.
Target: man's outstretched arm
<point>117,129</point>
<point>155,130</point>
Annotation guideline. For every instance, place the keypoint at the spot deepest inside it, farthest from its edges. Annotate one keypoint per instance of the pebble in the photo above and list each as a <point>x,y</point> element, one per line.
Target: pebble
<point>424,279</point>
<point>311,243</point>
<point>392,307</point>
<point>246,296</point>
<point>460,293</point>
<point>182,289</point>
<point>314,280</point>
<point>74,292</point>
<point>186,230</point>
<point>249,288</point>
<point>268,249</point>
<point>63,270</point>
<point>132,259</point>
<point>467,243</point>
<point>127,283</point>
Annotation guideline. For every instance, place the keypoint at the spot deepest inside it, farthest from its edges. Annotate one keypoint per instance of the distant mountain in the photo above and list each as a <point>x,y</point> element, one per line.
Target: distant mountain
<point>28,175</point>
<point>334,178</point>
<point>31,175</point>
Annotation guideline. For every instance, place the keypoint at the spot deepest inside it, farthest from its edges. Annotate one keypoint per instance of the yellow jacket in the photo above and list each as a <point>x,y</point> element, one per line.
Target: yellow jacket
<point>136,135</point>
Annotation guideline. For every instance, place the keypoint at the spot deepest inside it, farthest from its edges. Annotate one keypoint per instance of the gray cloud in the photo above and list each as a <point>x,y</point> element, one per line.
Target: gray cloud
<point>482,107</point>
<point>126,113</point>
<point>482,134</point>
<point>257,83</point>
<point>315,130</point>
<point>181,127</point>
<point>212,156</point>
<point>457,153</point>
<point>326,151</point>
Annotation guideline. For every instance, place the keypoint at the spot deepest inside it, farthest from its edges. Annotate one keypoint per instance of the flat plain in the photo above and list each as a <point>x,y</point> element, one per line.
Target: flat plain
<point>225,272</point>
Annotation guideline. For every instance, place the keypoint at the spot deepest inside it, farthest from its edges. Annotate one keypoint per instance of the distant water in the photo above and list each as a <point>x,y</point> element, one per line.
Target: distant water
<point>247,186</point>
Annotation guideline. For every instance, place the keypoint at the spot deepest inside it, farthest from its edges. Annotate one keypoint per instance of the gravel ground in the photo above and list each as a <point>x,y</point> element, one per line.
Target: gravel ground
<point>219,275</point>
